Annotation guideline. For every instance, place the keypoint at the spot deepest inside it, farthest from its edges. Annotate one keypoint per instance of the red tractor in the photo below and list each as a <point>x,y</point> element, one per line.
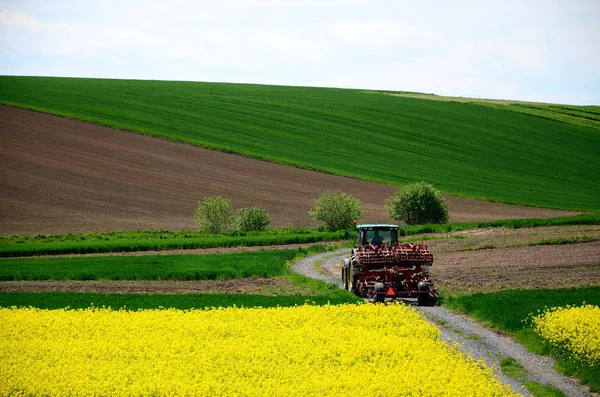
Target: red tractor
<point>382,269</point>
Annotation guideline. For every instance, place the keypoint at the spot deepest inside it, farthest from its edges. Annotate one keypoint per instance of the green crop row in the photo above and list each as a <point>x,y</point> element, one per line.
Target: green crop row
<point>153,241</point>
<point>476,151</point>
<point>509,312</point>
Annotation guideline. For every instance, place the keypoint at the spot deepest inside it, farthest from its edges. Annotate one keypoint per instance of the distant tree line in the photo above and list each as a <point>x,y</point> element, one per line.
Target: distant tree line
<point>415,204</point>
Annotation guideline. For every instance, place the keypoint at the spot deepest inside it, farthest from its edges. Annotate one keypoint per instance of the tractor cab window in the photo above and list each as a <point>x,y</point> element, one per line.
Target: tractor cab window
<point>380,236</point>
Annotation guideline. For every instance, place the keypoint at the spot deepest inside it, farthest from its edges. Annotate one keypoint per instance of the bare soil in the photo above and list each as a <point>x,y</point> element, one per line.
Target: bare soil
<point>62,176</point>
<point>504,237</point>
<point>465,264</point>
<point>260,286</point>
<point>525,267</point>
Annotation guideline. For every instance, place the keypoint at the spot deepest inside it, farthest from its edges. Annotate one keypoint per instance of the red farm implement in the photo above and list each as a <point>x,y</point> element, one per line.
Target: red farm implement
<point>382,269</point>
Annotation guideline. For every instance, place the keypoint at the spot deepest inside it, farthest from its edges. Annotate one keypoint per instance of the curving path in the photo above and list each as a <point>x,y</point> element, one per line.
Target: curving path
<point>479,342</point>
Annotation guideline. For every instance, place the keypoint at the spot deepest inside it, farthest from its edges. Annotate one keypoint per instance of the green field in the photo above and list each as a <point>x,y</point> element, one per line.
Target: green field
<point>149,267</point>
<point>519,155</point>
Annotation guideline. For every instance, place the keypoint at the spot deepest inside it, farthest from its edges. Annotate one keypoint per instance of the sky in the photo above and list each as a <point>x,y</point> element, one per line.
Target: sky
<point>531,50</point>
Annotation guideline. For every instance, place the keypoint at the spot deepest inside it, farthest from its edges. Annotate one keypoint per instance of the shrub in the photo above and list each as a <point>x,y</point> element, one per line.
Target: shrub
<point>215,215</point>
<point>253,218</point>
<point>418,204</point>
<point>337,209</point>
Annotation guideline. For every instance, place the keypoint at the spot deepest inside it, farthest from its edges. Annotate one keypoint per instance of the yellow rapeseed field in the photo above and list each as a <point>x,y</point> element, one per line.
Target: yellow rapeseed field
<point>352,350</point>
<point>575,329</point>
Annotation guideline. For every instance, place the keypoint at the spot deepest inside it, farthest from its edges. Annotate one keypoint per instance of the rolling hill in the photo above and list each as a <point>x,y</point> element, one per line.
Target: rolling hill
<point>63,176</point>
<point>470,149</point>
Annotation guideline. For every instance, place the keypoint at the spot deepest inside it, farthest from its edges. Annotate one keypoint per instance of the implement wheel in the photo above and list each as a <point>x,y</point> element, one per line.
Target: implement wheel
<point>423,299</point>
<point>379,292</point>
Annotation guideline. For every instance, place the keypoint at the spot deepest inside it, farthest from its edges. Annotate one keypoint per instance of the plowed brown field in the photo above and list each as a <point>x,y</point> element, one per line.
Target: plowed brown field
<point>65,176</point>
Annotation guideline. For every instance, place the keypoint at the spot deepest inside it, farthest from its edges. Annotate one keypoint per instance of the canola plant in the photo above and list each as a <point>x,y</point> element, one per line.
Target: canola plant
<point>573,329</point>
<point>306,350</point>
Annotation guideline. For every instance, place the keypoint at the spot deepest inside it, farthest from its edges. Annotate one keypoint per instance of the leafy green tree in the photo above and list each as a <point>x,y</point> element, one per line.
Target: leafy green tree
<point>215,215</point>
<point>253,218</point>
<point>418,204</point>
<point>337,209</point>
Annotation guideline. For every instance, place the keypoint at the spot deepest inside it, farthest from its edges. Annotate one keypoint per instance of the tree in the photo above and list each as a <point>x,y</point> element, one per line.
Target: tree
<point>337,209</point>
<point>253,218</point>
<point>418,204</point>
<point>215,215</point>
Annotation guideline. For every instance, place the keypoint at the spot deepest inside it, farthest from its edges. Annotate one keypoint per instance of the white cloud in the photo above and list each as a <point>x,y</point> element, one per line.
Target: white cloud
<point>517,49</point>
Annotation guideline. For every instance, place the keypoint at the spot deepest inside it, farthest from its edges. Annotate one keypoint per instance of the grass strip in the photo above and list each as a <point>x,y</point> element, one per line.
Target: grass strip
<point>78,300</point>
<point>92,243</point>
<point>583,219</point>
<point>514,370</point>
<point>554,241</point>
<point>509,311</point>
<point>575,115</point>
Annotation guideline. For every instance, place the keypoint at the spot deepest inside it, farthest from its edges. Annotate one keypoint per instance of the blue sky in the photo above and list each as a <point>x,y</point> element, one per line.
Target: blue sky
<point>538,50</point>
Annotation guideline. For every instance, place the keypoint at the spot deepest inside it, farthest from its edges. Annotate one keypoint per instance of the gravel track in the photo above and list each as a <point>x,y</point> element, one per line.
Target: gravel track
<point>473,339</point>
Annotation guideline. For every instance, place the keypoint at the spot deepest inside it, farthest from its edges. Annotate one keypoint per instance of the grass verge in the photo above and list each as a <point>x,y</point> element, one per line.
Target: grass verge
<point>554,241</point>
<point>514,370</point>
<point>78,300</point>
<point>508,311</point>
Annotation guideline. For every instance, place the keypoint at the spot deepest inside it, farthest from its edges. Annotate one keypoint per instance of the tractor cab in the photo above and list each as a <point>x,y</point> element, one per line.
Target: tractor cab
<point>377,235</point>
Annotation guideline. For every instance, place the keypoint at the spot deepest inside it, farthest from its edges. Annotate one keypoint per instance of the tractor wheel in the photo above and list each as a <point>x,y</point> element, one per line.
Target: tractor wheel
<point>423,298</point>
<point>379,292</point>
<point>344,277</point>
